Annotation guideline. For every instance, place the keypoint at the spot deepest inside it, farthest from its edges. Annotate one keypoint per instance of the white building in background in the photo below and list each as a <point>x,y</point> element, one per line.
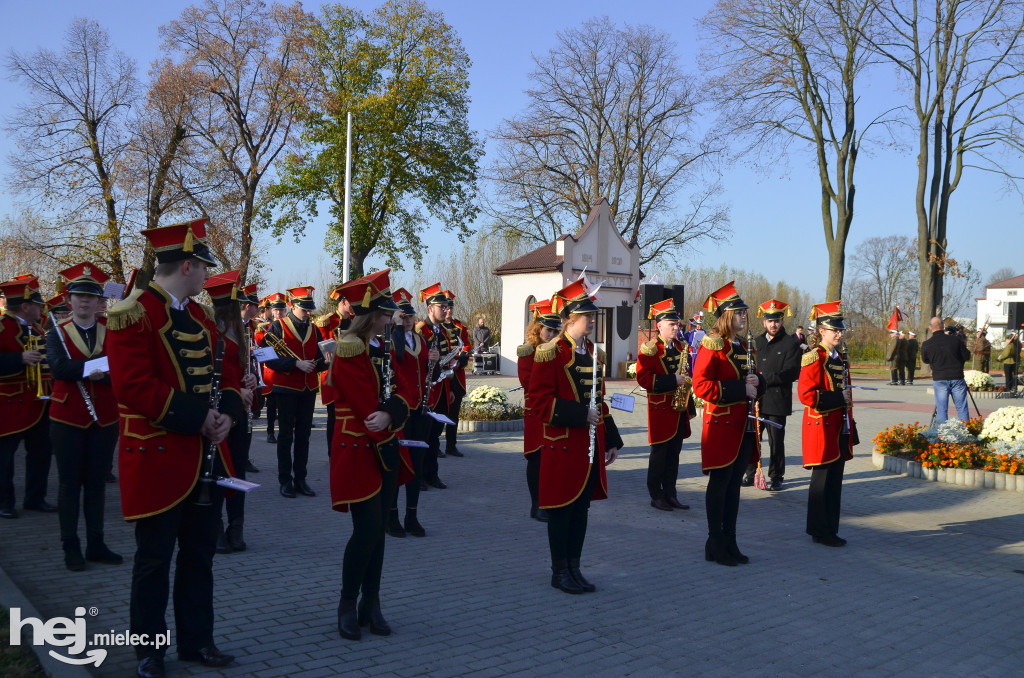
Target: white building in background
<point>608,260</point>
<point>993,307</point>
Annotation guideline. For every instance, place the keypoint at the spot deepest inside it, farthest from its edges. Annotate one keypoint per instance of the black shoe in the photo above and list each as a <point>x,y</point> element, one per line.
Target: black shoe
<point>715,549</point>
<point>734,551</point>
<point>234,535</point>
<point>661,505</point>
<point>748,481</point>
<point>412,525</point>
<point>271,438</point>
<point>223,547</point>
<point>151,667</point>
<point>574,570</point>
<point>73,559</point>
<point>424,485</point>
<point>892,383</point>
<point>303,488</point>
<point>829,540</point>
<point>437,482</point>
<point>250,467</point>
<point>207,656</point>
<point>562,579</point>
<point>101,554</point>
<point>110,478</point>
<point>9,513</point>
<point>394,527</point>
<point>454,452</point>
<point>903,383</point>
<point>42,506</point>
<point>776,485</point>
<point>288,490</point>
<point>348,620</point>
<point>538,514</point>
<point>441,454</point>
<point>674,503</point>
<point>370,615</point>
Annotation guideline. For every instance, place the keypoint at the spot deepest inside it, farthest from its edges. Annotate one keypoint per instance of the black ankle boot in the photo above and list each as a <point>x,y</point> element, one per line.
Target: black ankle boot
<point>97,552</point>
<point>715,549</point>
<point>412,524</point>
<point>234,535</point>
<point>394,527</point>
<point>73,559</point>
<point>574,570</point>
<point>734,551</point>
<point>348,620</point>
<point>370,615</point>
<point>562,579</point>
<point>223,547</point>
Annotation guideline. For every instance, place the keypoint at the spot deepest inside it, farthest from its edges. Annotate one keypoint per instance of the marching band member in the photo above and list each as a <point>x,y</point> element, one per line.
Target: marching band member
<point>236,395</point>
<point>563,382</point>
<point>722,378</point>
<point>24,414</point>
<point>455,328</point>
<point>250,310</point>
<point>417,427</point>
<point>367,464</point>
<point>83,414</point>
<point>441,396</point>
<point>160,345</point>
<point>331,325</point>
<point>296,382</point>
<point>546,325</point>
<point>658,372</point>
<point>829,430</point>
<point>277,308</point>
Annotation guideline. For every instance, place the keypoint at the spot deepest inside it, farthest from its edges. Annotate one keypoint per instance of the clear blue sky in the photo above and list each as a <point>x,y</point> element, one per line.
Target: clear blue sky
<point>776,217</point>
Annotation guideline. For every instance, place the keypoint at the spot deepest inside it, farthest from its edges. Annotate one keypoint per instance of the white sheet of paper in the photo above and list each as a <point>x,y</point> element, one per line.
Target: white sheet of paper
<point>101,364</point>
<point>441,418</point>
<point>237,484</point>
<point>264,353</point>
<point>412,443</point>
<point>621,401</point>
<point>327,346</point>
<point>113,290</point>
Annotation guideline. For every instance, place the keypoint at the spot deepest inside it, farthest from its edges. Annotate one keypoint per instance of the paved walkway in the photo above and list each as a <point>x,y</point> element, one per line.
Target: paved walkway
<point>930,583</point>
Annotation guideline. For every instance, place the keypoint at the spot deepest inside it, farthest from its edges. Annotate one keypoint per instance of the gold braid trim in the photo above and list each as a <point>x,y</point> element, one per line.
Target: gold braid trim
<point>418,327</point>
<point>714,343</point>
<point>546,352</point>
<point>649,348</point>
<point>322,320</point>
<point>349,346</point>
<point>525,350</point>
<point>809,358</point>
<point>126,312</point>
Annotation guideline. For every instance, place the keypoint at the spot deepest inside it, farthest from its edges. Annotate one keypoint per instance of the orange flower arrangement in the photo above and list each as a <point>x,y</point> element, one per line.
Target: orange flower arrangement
<point>900,437</point>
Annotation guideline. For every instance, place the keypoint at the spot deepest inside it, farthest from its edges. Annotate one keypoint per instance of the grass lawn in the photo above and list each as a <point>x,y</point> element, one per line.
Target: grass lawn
<point>16,661</point>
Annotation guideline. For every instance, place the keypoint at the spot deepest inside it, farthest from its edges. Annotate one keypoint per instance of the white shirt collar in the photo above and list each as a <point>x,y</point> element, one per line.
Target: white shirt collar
<point>176,304</point>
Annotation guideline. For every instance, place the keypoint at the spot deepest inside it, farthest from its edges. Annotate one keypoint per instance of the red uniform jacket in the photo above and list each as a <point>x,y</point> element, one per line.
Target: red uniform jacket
<point>161,374</point>
<point>561,381</point>
<point>445,344</point>
<point>656,369</point>
<point>328,326</point>
<point>418,361</point>
<point>268,374</point>
<point>821,392</point>
<point>21,409</point>
<point>66,403</point>
<point>306,347</point>
<point>719,377</point>
<point>532,427</point>
<point>457,329</point>
<point>231,401</point>
<point>355,457</point>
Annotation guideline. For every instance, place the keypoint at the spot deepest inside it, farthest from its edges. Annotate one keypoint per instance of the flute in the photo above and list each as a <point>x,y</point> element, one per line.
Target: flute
<point>81,387</point>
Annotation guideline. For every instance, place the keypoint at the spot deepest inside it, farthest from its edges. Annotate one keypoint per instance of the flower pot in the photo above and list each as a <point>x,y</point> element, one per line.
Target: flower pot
<point>1020,483</point>
<point>914,469</point>
<point>1000,481</point>
<point>968,477</point>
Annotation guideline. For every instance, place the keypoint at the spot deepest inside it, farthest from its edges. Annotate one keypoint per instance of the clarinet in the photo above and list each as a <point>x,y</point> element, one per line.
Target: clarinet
<point>386,363</point>
<point>847,382</point>
<point>206,480</point>
<point>593,400</point>
<point>81,387</point>
<point>751,370</point>
<point>427,387</point>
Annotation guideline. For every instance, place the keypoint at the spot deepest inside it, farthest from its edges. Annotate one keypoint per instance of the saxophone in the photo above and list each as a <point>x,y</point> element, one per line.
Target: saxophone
<point>681,399</point>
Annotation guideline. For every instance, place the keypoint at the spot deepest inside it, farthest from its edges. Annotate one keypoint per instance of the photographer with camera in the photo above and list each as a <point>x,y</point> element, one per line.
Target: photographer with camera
<point>946,352</point>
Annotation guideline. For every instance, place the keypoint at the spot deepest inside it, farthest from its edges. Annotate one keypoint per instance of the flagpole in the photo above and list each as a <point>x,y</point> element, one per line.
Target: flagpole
<point>348,200</point>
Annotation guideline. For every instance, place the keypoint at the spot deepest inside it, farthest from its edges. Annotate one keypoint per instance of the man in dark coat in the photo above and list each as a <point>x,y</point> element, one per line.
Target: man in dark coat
<point>778,359</point>
<point>912,349</point>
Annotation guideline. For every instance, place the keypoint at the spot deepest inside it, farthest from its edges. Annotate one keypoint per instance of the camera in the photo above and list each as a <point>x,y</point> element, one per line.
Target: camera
<point>954,329</point>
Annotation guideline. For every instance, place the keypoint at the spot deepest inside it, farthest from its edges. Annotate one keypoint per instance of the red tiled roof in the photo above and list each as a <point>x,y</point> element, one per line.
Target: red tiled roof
<point>1016,281</point>
<point>544,258</point>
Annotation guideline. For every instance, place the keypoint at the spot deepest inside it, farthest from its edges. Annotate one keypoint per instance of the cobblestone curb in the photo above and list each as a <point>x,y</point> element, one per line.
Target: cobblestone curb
<point>982,480</point>
<point>473,426</point>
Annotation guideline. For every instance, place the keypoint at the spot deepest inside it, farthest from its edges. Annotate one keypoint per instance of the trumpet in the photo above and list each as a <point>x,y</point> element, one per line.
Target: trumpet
<point>34,373</point>
<point>280,348</point>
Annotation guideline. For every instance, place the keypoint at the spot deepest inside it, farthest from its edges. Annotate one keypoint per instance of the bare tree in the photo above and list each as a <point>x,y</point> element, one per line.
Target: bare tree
<point>883,276</point>
<point>959,292</point>
<point>610,115</point>
<point>31,244</point>
<point>964,61</point>
<point>787,71</point>
<point>1002,274</point>
<point>244,54</point>
<point>71,137</point>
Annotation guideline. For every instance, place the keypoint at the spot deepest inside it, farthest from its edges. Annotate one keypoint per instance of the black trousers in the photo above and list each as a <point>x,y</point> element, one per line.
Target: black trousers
<point>194,529</point>
<point>898,375</point>
<point>239,441</point>
<point>824,495</point>
<point>663,466</point>
<point>722,499</point>
<point>430,467</point>
<point>533,477</point>
<point>271,411</point>
<point>776,448</point>
<point>37,462</point>
<point>911,368</point>
<point>295,409</point>
<point>364,553</point>
<point>451,432</point>
<point>567,526</point>
<point>417,427</point>
<point>83,457</point>
<point>1009,374</point>
<point>331,416</point>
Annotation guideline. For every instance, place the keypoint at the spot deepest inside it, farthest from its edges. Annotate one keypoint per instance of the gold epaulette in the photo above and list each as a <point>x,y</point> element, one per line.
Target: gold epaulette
<point>322,320</point>
<point>809,358</point>
<point>420,324</point>
<point>649,347</point>
<point>546,352</point>
<point>208,310</point>
<point>525,350</point>
<point>602,356</point>
<point>713,342</point>
<point>349,345</point>
<point>126,312</point>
